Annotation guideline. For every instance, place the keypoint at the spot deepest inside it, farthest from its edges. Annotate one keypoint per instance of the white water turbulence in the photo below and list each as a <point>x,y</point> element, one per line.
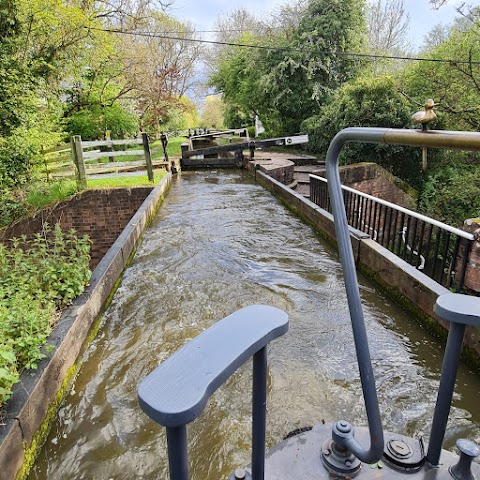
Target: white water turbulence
<point>218,243</point>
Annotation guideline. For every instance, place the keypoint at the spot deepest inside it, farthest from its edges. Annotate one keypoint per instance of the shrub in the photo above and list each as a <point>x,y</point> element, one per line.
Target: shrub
<point>91,123</point>
<point>37,279</point>
<point>8,371</point>
<point>11,207</point>
<point>452,194</point>
<point>367,102</point>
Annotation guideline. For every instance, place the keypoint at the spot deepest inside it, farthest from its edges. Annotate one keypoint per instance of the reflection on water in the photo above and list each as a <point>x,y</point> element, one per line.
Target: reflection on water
<point>220,243</point>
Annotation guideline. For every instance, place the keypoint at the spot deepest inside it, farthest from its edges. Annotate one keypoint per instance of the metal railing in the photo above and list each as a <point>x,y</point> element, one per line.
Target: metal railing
<point>436,249</point>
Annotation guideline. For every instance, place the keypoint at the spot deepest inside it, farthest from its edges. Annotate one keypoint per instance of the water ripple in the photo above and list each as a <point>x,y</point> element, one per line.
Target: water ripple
<point>220,243</point>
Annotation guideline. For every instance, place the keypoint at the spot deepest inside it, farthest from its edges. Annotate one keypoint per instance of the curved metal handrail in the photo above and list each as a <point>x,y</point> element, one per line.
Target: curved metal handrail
<point>429,138</point>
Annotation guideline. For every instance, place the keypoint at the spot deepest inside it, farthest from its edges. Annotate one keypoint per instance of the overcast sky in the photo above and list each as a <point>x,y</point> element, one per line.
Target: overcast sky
<point>203,13</point>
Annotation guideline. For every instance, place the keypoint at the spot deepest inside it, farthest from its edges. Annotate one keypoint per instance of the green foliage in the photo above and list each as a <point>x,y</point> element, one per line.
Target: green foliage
<point>237,79</point>
<point>8,370</point>
<point>37,279</point>
<point>21,152</point>
<point>92,123</point>
<point>212,112</point>
<point>452,191</point>
<point>11,207</point>
<point>286,86</point>
<point>368,102</point>
<point>180,116</point>
<point>454,85</point>
<point>41,195</point>
<point>27,119</point>
<point>20,202</point>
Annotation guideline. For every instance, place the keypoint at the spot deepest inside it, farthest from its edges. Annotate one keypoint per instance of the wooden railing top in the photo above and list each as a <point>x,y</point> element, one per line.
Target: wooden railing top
<point>109,143</point>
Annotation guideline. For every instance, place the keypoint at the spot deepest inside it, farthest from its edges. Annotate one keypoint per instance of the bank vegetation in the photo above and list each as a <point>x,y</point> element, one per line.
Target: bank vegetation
<point>323,65</point>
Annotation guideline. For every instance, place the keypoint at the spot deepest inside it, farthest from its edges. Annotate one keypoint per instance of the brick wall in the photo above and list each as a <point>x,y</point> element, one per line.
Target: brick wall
<point>101,214</point>
<point>374,180</point>
<point>472,274</point>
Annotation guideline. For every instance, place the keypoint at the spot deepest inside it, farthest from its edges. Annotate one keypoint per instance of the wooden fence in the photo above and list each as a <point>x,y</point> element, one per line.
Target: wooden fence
<point>56,158</point>
<point>81,152</point>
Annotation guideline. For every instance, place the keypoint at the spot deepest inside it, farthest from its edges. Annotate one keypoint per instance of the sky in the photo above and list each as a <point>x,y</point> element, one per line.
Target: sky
<point>203,13</point>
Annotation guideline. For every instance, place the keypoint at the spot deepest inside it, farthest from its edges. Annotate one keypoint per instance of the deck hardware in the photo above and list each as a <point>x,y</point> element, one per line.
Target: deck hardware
<point>403,453</point>
<point>450,309</point>
<point>399,449</point>
<point>427,115</point>
<point>336,458</point>
<point>468,451</point>
<point>460,310</point>
<point>241,474</point>
<point>176,392</point>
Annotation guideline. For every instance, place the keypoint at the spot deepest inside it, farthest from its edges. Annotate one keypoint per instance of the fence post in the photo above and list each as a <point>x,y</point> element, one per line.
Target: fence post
<point>77,158</point>
<point>148,156</point>
<point>45,161</point>
<point>109,148</point>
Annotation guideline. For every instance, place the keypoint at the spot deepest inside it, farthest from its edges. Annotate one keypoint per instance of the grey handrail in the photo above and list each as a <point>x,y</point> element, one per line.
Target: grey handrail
<point>406,137</point>
<point>176,392</point>
<point>460,310</point>
<point>374,453</point>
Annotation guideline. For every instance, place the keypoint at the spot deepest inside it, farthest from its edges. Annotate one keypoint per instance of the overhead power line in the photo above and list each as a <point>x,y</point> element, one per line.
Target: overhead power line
<point>237,30</point>
<point>163,36</point>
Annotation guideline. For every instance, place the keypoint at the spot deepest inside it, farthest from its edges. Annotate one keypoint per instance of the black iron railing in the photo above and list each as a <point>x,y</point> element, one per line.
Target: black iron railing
<point>436,249</point>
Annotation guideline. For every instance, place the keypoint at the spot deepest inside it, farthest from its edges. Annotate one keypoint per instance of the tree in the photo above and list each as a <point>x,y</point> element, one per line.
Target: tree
<point>183,116</point>
<point>212,112</point>
<point>26,122</point>
<point>455,84</point>
<point>452,192</point>
<point>387,24</point>
<point>368,102</point>
<point>301,80</point>
<point>436,37</point>
<point>288,83</point>
<point>237,79</point>
<point>289,16</point>
<point>231,28</point>
<point>159,70</point>
<point>58,59</point>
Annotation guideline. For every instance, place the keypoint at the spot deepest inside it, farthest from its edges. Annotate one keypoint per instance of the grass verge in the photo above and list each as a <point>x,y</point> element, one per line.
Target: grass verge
<point>117,182</point>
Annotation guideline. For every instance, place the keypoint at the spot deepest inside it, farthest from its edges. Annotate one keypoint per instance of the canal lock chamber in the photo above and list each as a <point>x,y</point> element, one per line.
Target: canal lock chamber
<point>219,243</point>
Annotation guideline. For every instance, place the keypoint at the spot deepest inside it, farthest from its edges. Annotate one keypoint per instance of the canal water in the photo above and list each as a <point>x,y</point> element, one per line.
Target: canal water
<point>219,243</point>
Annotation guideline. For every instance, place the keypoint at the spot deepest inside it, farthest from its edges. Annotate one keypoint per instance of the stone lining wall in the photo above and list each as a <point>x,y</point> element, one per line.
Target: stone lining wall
<point>416,291</point>
<point>38,394</point>
<point>101,214</point>
<point>277,168</point>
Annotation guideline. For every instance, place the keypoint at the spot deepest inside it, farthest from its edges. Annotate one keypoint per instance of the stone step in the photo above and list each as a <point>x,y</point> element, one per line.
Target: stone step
<point>302,177</point>
<point>309,168</point>
<point>303,189</point>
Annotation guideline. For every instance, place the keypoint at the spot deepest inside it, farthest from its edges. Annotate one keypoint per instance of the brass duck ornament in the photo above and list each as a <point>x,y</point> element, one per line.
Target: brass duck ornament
<point>425,116</point>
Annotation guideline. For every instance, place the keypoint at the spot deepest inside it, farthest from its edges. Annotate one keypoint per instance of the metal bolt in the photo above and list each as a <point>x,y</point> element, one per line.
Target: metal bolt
<point>240,474</point>
<point>327,452</point>
<point>344,427</point>
<point>348,463</point>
